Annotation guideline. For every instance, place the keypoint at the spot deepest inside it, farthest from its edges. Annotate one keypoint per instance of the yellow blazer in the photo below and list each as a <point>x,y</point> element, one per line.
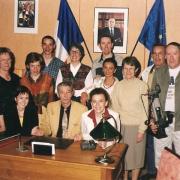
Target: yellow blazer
<point>50,124</point>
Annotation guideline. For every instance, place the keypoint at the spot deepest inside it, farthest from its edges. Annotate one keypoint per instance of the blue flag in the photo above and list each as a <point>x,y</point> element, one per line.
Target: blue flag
<point>154,29</point>
<point>68,31</point>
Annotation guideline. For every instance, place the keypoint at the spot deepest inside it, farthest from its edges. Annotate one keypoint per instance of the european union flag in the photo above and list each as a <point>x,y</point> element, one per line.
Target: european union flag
<point>154,29</point>
<point>68,30</point>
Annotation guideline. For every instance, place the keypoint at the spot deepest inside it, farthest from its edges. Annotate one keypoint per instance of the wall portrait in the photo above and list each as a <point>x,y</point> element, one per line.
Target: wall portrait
<point>26,16</point>
<point>113,22</point>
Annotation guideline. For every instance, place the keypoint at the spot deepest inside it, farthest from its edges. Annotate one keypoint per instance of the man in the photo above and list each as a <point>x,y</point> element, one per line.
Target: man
<point>168,78</point>
<point>113,31</point>
<point>158,56</point>
<point>63,117</point>
<point>8,80</point>
<point>52,64</point>
<point>106,45</point>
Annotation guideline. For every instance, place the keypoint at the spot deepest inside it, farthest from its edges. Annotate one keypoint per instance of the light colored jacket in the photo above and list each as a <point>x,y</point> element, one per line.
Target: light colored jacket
<point>50,124</point>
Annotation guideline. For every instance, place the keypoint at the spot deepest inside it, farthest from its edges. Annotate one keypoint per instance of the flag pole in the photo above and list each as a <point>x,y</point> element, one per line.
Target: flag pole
<point>81,35</point>
<point>134,47</point>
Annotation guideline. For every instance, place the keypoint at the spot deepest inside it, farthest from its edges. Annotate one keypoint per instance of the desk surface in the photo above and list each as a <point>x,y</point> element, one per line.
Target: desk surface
<point>73,156</point>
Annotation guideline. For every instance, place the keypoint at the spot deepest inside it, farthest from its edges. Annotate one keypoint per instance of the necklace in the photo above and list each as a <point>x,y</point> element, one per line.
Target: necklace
<point>107,87</point>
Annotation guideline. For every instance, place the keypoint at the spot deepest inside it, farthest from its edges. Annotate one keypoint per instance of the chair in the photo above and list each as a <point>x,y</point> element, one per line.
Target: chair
<point>169,166</point>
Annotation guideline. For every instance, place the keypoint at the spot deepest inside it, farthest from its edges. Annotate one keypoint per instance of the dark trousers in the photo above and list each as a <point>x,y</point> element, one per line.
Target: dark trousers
<point>150,155</point>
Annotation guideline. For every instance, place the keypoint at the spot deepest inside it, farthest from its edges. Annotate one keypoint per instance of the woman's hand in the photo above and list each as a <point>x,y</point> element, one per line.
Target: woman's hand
<point>139,137</point>
<point>84,98</point>
<point>36,131</point>
<point>77,137</point>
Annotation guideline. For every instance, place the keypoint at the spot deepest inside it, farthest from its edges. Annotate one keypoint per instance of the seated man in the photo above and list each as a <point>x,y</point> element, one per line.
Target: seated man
<point>63,117</point>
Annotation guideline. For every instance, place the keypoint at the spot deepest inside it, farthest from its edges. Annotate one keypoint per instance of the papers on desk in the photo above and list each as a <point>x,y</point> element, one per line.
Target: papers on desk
<point>59,143</point>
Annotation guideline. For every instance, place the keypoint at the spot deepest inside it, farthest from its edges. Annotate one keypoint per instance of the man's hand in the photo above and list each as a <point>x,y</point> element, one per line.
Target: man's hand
<point>153,126</point>
<point>84,98</point>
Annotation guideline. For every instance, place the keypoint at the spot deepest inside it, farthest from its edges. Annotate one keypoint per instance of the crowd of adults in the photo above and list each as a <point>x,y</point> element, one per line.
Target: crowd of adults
<point>67,100</point>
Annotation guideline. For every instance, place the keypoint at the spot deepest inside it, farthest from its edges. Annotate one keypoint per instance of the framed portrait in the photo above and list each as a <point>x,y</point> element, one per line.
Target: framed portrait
<point>26,16</point>
<point>113,22</point>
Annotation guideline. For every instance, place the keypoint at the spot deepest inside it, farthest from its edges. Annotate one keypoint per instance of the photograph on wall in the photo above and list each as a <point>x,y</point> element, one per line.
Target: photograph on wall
<point>113,22</point>
<point>26,16</point>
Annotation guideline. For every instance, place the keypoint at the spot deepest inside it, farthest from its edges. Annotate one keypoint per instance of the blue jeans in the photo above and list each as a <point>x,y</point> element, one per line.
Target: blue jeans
<point>150,155</point>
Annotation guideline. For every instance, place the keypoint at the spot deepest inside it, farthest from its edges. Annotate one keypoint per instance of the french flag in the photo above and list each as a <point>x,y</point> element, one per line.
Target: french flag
<point>68,31</point>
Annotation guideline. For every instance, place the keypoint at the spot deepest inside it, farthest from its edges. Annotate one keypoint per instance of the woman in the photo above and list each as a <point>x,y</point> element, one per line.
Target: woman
<point>8,80</point>
<point>39,84</point>
<point>21,116</point>
<point>109,80</point>
<point>126,100</point>
<point>79,74</point>
<point>99,101</point>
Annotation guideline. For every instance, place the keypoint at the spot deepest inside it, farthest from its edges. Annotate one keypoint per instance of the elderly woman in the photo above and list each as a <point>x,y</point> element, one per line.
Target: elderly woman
<point>127,101</point>
<point>40,84</point>
<point>79,74</point>
<point>21,116</point>
<point>109,80</point>
<point>100,101</point>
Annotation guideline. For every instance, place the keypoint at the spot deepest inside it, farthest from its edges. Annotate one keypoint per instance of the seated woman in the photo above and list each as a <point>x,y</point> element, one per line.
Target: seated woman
<point>99,101</point>
<point>39,84</point>
<point>21,116</point>
<point>78,74</point>
<point>109,80</point>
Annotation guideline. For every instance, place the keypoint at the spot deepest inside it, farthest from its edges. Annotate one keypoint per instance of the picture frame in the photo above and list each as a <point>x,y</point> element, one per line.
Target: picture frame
<point>114,20</point>
<point>26,16</point>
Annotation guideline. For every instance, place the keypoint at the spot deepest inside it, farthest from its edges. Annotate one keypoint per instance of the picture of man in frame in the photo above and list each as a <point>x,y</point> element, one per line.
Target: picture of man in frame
<point>108,25</point>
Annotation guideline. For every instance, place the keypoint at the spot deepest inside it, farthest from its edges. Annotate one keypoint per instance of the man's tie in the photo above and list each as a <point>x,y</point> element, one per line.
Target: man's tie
<point>111,32</point>
<point>64,124</point>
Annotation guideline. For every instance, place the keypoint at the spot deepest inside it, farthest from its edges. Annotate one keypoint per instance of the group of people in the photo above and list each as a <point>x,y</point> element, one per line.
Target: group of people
<point>68,100</point>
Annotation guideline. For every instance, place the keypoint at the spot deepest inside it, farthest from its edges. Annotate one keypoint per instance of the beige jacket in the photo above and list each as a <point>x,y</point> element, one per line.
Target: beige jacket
<point>50,121</point>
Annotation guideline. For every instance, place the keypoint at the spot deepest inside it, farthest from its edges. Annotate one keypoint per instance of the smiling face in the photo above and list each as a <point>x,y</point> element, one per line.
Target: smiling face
<point>106,45</point>
<point>5,62</point>
<point>128,71</point>
<point>108,69</point>
<point>173,56</point>
<point>75,55</point>
<point>22,100</point>
<point>48,46</point>
<point>65,94</point>
<point>98,103</point>
<point>158,55</point>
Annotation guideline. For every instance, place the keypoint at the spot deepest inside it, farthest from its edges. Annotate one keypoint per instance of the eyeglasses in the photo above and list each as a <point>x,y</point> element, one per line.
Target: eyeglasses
<point>74,52</point>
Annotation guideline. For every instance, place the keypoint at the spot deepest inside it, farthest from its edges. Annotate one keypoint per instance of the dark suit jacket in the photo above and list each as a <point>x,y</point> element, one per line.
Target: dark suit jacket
<point>12,121</point>
<point>117,35</point>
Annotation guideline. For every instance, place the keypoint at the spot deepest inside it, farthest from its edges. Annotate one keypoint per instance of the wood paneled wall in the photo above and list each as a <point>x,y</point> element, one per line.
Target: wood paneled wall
<point>83,10</point>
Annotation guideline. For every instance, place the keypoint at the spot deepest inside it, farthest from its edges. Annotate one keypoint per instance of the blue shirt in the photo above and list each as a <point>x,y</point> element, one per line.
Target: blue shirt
<point>53,67</point>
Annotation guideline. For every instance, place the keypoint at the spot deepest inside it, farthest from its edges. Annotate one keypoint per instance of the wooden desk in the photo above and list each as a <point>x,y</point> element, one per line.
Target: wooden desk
<point>69,164</point>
